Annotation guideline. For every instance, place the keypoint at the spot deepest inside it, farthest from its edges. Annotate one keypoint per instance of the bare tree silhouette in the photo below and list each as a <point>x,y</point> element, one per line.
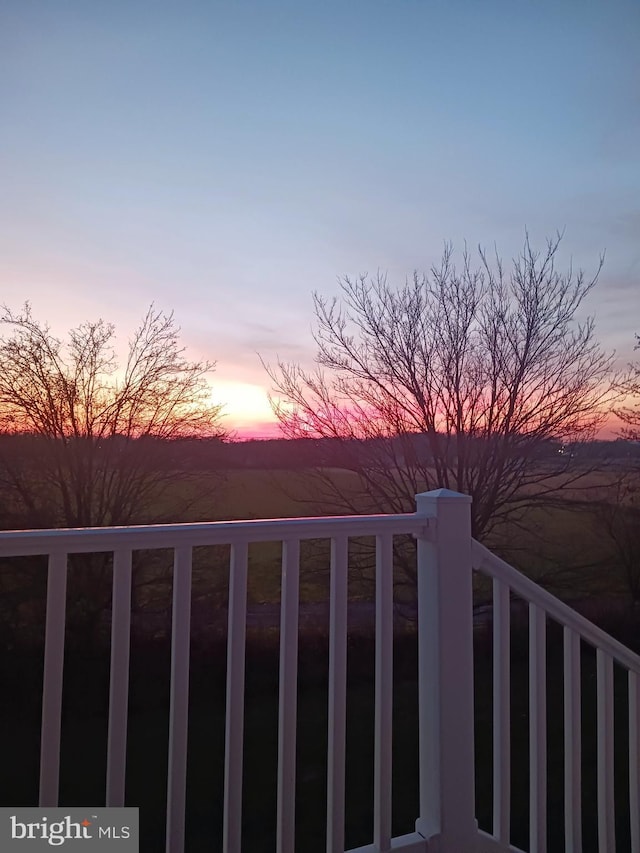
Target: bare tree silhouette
<point>467,378</point>
<point>85,444</point>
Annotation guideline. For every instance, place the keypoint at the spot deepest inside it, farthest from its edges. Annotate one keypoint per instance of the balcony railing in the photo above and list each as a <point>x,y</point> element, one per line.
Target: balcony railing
<point>446,559</point>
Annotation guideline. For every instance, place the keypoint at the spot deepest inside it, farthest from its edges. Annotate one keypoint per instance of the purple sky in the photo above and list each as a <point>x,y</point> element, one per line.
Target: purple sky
<point>225,159</point>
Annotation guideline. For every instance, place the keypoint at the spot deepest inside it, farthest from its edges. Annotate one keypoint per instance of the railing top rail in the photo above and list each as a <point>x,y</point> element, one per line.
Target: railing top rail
<point>20,543</point>
<point>487,561</point>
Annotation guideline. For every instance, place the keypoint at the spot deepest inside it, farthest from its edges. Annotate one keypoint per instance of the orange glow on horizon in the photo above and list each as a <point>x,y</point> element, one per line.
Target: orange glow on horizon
<point>259,431</point>
<point>246,410</point>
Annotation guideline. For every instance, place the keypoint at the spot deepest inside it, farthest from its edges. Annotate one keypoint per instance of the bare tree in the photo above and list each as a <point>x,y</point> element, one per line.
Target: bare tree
<point>83,443</point>
<point>465,378</point>
<point>630,413</point>
<point>96,428</point>
<point>616,515</point>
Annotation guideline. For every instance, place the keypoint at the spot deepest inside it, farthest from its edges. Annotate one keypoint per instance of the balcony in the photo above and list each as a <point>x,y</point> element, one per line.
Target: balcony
<point>449,564</point>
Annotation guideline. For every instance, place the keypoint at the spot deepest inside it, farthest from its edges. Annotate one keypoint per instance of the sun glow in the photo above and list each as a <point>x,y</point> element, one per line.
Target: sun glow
<point>246,408</point>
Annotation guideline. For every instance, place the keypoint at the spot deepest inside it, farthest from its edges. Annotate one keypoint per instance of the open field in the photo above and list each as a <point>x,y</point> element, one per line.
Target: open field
<point>561,546</point>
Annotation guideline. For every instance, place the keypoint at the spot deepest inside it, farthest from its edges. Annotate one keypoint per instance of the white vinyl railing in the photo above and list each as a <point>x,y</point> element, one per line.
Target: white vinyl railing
<point>576,630</point>
<point>446,559</point>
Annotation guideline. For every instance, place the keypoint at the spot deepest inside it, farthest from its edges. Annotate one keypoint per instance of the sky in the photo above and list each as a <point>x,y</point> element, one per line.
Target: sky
<point>226,159</point>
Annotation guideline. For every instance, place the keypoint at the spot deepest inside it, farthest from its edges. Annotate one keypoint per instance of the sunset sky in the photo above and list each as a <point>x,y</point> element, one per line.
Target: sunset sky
<point>225,159</point>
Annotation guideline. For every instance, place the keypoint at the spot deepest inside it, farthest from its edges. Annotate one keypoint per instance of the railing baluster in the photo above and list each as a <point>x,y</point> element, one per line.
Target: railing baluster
<point>537,730</point>
<point>234,723</point>
<point>572,743</point>
<point>384,693</point>
<point>606,802</point>
<point>119,679</point>
<point>52,679</point>
<point>179,702</point>
<point>634,760</point>
<point>285,838</point>
<point>501,713</point>
<point>337,693</point>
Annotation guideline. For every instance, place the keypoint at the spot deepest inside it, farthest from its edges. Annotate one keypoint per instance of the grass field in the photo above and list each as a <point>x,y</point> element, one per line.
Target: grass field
<point>562,547</point>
